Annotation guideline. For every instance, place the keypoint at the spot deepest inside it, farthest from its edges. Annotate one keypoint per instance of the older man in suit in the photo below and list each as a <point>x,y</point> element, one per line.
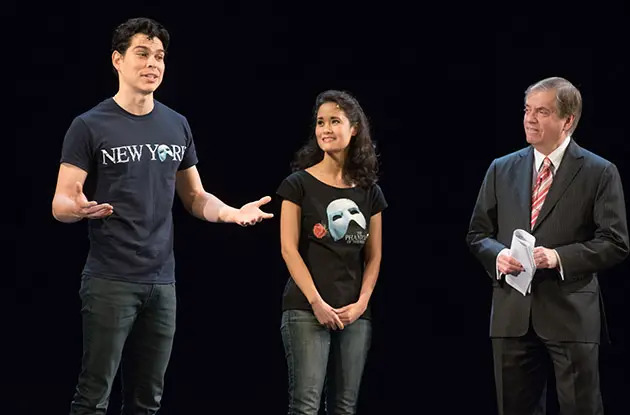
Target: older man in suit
<point>572,201</point>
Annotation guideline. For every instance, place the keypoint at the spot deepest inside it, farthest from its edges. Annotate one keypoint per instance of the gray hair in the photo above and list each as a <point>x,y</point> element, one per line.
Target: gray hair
<point>568,97</point>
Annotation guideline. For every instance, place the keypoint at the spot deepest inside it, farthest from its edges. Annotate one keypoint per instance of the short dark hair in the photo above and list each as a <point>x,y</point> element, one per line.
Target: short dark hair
<point>121,38</point>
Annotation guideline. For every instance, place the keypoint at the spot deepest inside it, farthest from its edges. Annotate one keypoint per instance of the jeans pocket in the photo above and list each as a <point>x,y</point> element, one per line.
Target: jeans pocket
<point>84,293</point>
<point>287,317</point>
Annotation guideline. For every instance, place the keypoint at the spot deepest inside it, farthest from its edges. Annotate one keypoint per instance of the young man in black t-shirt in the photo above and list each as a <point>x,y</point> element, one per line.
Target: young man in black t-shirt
<point>136,153</point>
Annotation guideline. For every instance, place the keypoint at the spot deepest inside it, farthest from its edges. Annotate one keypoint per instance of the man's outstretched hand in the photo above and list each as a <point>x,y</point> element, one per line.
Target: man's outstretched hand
<point>89,209</point>
<point>250,213</point>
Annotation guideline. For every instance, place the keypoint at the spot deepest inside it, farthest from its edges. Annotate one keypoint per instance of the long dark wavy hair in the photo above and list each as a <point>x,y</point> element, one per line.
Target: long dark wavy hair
<point>361,164</point>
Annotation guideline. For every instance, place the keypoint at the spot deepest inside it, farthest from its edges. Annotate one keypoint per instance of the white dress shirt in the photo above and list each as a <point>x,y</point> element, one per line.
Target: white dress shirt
<point>556,158</point>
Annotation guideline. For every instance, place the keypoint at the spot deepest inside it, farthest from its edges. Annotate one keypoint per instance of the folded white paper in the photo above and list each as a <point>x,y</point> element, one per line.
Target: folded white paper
<point>522,249</point>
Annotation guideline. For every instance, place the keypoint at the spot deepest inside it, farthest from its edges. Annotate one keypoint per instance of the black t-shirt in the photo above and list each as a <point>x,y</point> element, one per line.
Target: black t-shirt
<point>131,162</point>
<point>334,228</point>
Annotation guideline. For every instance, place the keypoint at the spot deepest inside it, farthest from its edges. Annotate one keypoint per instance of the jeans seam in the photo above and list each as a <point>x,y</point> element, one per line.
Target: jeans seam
<point>291,364</point>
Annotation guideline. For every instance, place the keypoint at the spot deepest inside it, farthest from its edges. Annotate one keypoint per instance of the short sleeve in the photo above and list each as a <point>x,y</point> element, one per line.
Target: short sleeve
<point>377,199</point>
<point>77,145</point>
<point>292,189</point>
<point>190,154</point>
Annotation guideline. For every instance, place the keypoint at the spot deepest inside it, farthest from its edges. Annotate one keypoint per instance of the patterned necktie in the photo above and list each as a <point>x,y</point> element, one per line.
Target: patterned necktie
<point>543,184</point>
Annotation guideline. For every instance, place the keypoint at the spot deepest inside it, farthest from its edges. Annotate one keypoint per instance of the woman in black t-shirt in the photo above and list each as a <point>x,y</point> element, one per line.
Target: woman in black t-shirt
<point>331,243</point>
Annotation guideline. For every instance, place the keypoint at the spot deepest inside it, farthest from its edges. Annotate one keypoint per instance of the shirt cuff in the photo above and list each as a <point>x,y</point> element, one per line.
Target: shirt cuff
<point>559,266</point>
<point>503,251</point>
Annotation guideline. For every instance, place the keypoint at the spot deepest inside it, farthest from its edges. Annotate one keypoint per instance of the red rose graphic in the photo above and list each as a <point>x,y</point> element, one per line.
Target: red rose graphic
<point>319,230</point>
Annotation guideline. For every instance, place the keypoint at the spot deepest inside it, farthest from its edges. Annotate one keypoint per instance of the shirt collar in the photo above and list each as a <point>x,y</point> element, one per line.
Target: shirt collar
<point>555,156</point>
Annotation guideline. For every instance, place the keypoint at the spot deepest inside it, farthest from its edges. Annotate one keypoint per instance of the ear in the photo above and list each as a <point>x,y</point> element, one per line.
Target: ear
<point>116,60</point>
<point>354,130</point>
<point>569,122</point>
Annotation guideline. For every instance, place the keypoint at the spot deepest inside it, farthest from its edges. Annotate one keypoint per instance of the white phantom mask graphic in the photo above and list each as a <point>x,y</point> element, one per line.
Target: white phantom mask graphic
<point>340,212</point>
<point>163,150</point>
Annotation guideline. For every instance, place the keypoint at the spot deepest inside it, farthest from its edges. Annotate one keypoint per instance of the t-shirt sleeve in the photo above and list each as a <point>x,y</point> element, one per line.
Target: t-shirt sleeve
<point>190,154</point>
<point>378,201</point>
<point>77,146</point>
<point>292,189</point>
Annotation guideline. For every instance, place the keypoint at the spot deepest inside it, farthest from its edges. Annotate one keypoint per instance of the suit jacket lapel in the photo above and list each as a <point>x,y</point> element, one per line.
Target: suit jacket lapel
<point>571,163</point>
<point>522,178</point>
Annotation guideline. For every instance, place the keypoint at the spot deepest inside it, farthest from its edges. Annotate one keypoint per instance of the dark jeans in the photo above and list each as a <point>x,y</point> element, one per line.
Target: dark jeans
<point>127,325</point>
<point>317,356</point>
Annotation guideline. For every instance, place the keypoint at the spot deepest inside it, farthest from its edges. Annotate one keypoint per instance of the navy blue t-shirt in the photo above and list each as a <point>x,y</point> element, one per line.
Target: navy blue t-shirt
<point>335,225</point>
<point>131,163</point>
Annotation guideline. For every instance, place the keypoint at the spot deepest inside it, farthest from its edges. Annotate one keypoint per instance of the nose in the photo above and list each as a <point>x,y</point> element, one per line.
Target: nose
<point>530,117</point>
<point>152,62</point>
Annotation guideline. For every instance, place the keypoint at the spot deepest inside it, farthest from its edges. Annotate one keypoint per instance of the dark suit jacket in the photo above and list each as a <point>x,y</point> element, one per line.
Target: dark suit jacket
<point>583,218</point>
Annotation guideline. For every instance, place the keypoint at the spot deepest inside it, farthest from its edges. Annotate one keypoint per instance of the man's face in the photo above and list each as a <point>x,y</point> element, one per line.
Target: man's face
<point>543,126</point>
<point>141,68</point>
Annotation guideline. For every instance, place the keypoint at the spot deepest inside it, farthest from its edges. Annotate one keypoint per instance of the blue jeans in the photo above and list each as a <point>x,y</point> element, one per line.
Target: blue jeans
<point>126,324</point>
<point>317,356</point>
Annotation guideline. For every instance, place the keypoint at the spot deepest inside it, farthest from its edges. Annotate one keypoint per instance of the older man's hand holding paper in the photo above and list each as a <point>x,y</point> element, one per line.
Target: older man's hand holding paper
<point>522,250</point>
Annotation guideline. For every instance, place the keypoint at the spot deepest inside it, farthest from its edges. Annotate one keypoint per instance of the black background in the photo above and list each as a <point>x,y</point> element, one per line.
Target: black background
<point>442,85</point>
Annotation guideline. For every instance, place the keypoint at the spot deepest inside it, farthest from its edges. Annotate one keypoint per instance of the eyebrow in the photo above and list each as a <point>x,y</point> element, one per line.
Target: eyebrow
<point>541,107</point>
<point>146,48</point>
